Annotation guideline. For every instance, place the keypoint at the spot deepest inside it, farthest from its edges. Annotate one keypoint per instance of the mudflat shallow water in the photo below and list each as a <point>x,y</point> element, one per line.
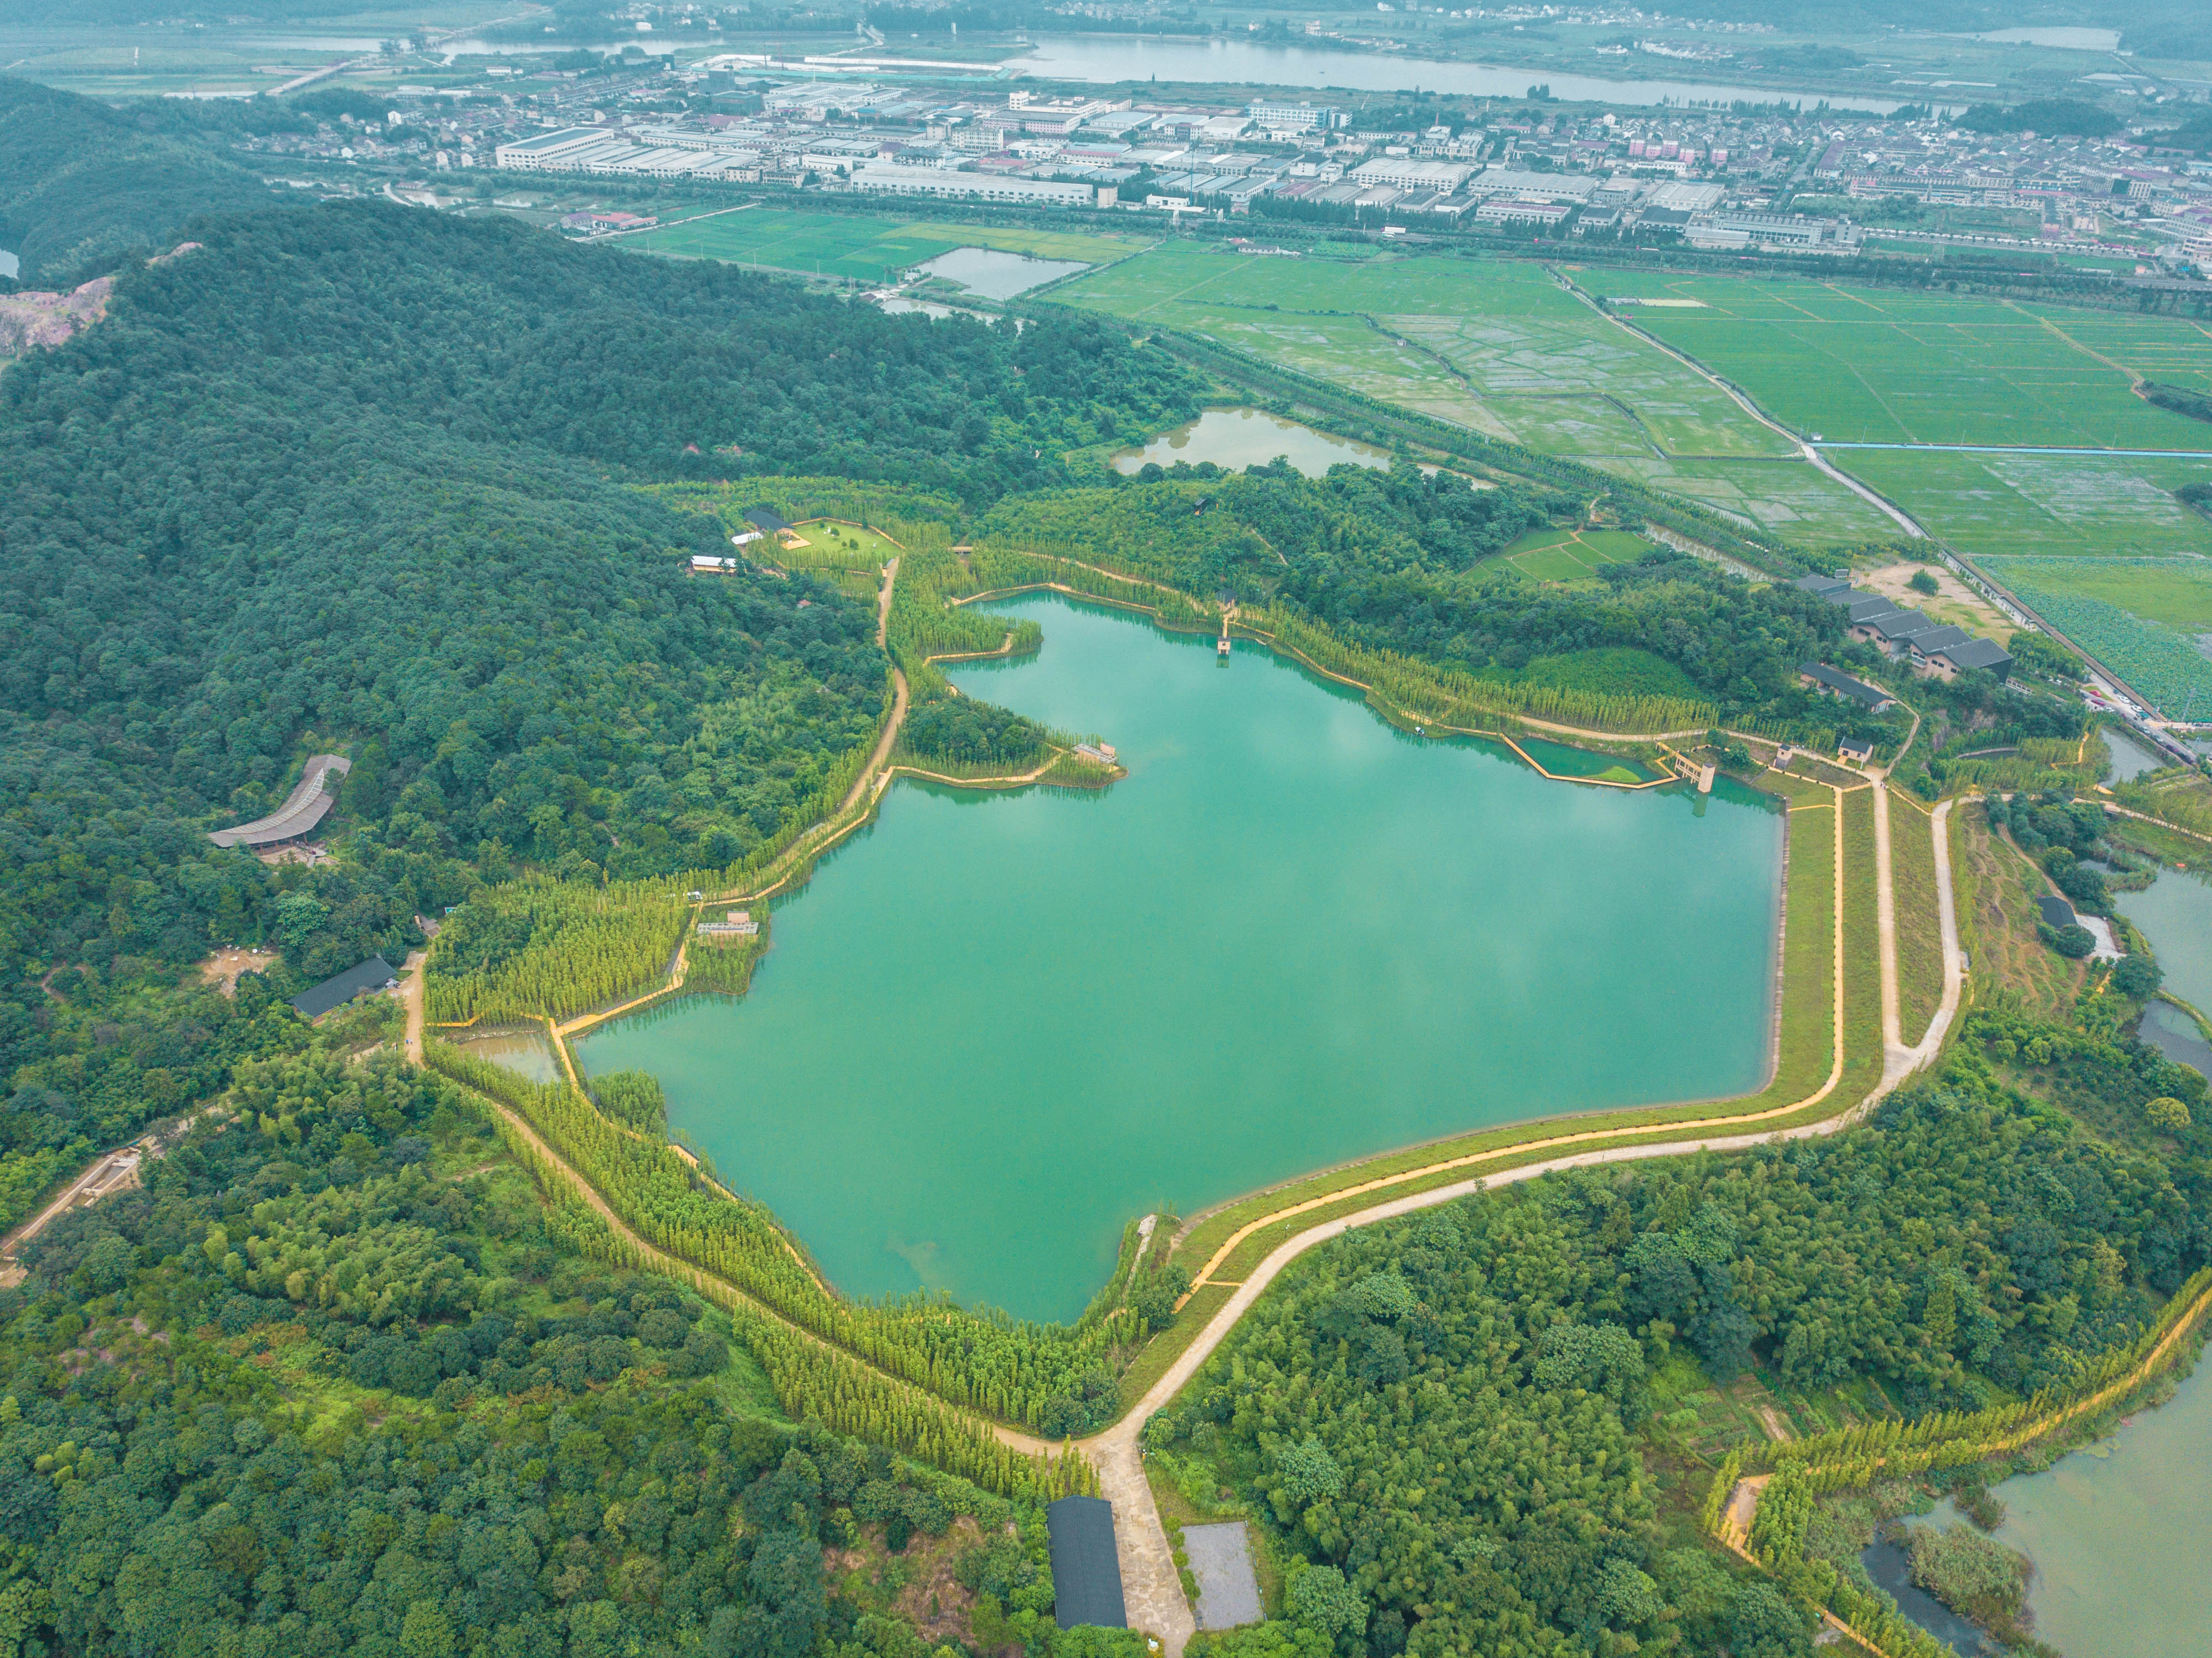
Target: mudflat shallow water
<point>994,1028</point>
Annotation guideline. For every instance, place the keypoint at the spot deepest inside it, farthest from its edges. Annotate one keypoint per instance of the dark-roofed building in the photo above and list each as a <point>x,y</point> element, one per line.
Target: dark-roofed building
<point>373,974</point>
<point>1861,607</point>
<point>1855,748</point>
<point>1819,676</point>
<point>1895,631</point>
<point>1833,588</point>
<point>2056,912</point>
<point>1949,660</point>
<point>765,521</point>
<point>1086,1571</point>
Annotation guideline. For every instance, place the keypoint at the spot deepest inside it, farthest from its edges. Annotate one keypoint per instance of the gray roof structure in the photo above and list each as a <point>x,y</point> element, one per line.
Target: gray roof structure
<point>1086,1571</point>
<point>1897,626</point>
<point>765,521</point>
<point>1830,587</point>
<point>373,974</point>
<point>1940,638</point>
<point>1973,653</point>
<point>1828,678</point>
<point>1860,607</point>
<point>2056,911</point>
<point>304,807</point>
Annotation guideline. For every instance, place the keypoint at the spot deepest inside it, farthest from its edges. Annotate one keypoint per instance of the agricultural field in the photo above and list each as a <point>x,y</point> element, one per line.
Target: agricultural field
<point>1549,371</point>
<point>1784,496</point>
<point>1871,366</point>
<point>862,247</point>
<point>2097,544</point>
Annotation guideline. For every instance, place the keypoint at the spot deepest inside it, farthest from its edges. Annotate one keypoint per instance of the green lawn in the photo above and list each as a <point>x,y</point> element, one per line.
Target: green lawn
<point>1575,556</point>
<point>1871,365</point>
<point>860,246</point>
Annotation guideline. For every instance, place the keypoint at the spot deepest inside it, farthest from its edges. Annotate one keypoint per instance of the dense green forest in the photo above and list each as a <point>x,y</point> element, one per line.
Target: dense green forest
<point>1450,1423</point>
<point>1404,561</point>
<point>358,476</point>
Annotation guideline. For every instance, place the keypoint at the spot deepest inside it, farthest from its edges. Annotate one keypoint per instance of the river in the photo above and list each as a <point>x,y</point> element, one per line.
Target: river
<point>996,1027</point>
<point>1249,62</point>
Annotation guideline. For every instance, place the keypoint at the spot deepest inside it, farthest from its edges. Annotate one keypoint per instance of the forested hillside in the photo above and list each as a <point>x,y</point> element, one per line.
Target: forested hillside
<point>81,181</point>
<point>336,1381</point>
<point>360,477</point>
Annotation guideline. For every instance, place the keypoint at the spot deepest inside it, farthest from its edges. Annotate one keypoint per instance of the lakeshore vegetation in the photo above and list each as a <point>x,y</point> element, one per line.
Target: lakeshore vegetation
<point>442,1360</point>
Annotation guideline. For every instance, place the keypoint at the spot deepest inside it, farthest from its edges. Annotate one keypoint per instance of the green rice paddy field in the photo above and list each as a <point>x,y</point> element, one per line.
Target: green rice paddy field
<point>2096,544</point>
<point>1872,366</point>
<point>855,245</point>
<point>1498,346</point>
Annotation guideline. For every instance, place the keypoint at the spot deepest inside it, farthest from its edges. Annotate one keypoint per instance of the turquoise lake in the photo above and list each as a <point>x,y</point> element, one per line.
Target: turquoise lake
<point>994,1028</point>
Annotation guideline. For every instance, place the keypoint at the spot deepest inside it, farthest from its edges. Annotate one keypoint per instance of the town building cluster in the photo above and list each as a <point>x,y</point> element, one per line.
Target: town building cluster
<point>1817,181</point>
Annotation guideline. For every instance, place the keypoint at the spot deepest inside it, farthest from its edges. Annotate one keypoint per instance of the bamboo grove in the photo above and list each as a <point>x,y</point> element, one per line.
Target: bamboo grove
<point>537,949</point>
<point>1009,1369</point>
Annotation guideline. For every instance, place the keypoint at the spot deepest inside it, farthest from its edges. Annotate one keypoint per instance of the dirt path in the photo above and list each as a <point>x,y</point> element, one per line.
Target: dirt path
<point>411,997</point>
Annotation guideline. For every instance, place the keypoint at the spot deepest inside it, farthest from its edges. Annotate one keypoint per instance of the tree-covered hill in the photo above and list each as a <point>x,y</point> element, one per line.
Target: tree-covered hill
<point>82,181</point>
<point>361,477</point>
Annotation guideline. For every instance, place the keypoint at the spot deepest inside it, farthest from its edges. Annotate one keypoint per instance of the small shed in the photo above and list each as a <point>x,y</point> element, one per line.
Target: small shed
<point>1086,1572</point>
<point>1854,748</point>
<point>373,974</point>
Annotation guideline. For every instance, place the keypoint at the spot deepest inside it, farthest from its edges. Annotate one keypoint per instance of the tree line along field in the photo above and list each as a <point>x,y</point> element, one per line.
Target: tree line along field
<point>857,245</point>
<point>1503,348</point>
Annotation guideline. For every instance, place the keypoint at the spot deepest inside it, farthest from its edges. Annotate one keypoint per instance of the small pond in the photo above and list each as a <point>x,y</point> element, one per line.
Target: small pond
<point>2132,756</point>
<point>525,1052</point>
<point>1237,438</point>
<point>998,275</point>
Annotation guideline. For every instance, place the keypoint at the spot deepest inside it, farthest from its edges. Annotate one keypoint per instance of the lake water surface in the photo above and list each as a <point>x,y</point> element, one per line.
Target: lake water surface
<point>996,1027</point>
<point>999,276</point>
<point>1237,438</point>
<point>2118,1533</point>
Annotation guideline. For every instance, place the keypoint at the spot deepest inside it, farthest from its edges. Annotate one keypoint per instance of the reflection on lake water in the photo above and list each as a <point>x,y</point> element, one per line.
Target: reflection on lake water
<point>1237,438</point>
<point>1138,57</point>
